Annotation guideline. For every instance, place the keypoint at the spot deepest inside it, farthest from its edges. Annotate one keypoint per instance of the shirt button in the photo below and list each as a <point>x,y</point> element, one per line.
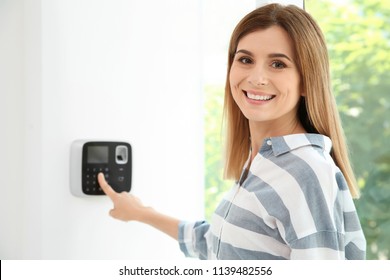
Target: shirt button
<point>269,142</point>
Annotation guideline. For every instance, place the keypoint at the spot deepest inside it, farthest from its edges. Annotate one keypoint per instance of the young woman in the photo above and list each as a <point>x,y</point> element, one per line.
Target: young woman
<point>293,197</point>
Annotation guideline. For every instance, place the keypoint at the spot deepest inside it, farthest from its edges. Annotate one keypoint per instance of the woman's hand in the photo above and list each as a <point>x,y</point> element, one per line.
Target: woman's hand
<point>127,207</point>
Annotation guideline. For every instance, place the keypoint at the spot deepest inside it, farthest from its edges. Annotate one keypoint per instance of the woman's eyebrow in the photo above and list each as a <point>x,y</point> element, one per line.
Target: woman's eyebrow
<point>244,52</point>
<point>276,55</point>
<point>271,55</point>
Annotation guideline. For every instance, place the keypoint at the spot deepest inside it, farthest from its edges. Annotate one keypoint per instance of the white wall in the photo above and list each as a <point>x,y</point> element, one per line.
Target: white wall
<point>127,70</point>
<point>11,135</point>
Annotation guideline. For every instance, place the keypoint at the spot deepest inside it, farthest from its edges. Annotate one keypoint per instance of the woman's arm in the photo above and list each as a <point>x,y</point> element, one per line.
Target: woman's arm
<point>127,207</point>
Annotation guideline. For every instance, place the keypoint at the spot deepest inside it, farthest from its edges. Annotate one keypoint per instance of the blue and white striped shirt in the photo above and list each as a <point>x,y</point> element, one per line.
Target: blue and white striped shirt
<point>294,204</point>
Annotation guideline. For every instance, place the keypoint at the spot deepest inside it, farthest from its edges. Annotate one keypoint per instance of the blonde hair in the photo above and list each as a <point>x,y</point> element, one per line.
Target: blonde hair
<point>317,111</point>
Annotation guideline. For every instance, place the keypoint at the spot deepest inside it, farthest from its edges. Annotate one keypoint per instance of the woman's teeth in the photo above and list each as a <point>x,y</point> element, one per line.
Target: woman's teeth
<point>259,97</point>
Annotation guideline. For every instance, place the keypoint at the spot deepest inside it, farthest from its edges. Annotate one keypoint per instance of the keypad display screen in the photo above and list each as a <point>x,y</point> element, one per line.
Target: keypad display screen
<point>97,154</point>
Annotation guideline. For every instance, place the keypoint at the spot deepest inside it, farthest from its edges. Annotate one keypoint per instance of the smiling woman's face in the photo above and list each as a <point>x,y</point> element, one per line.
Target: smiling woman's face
<point>264,79</point>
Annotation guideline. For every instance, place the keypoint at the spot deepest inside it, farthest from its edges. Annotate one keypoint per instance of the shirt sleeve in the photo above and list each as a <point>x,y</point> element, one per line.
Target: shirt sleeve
<point>193,239</point>
<point>323,245</point>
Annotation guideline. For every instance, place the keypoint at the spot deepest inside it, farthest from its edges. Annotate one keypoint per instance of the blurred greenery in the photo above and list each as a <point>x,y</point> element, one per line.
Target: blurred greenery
<point>215,185</point>
<point>358,38</point>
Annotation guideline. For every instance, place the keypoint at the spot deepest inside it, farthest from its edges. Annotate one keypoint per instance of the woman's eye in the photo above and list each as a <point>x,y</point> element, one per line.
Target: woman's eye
<point>245,60</point>
<point>278,65</point>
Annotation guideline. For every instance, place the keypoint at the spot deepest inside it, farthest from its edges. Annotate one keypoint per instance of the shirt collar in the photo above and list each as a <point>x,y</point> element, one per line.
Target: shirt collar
<point>287,143</point>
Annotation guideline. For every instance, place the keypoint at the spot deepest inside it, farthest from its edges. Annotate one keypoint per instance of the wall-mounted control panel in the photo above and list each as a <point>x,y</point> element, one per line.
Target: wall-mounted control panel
<point>89,158</point>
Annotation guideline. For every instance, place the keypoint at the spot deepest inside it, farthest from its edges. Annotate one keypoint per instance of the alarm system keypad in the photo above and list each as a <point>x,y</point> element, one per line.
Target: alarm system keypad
<point>89,158</point>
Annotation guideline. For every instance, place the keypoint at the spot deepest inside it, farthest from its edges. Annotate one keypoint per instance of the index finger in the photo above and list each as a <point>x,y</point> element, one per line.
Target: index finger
<point>105,186</point>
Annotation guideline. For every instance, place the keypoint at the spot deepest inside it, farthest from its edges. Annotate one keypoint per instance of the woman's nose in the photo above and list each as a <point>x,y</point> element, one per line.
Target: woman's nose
<point>258,77</point>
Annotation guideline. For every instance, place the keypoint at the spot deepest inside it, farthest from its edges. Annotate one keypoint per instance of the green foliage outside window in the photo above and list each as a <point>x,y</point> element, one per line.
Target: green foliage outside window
<point>358,37</point>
